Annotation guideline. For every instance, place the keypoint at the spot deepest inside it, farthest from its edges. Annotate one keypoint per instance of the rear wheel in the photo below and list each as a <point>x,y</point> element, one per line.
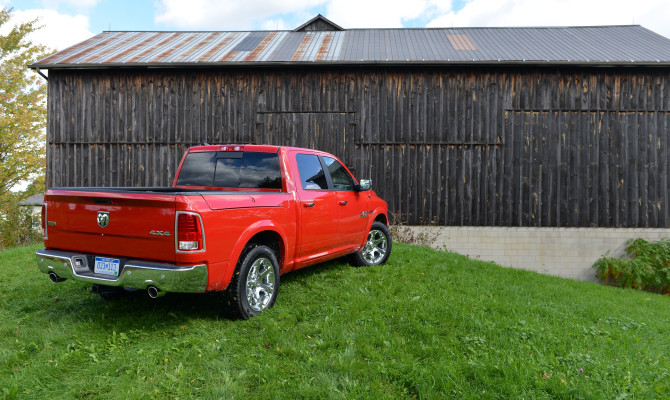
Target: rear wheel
<point>377,248</point>
<point>255,283</point>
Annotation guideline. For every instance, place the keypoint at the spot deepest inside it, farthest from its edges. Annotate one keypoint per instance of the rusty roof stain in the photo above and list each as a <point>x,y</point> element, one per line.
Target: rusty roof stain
<point>597,45</point>
<point>229,56</point>
<point>322,54</point>
<point>149,49</point>
<point>263,44</point>
<point>198,46</point>
<point>461,42</point>
<point>303,47</point>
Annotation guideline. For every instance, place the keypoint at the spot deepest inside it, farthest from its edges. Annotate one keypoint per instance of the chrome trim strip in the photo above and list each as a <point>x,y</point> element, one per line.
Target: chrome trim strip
<point>45,234</point>
<point>135,274</point>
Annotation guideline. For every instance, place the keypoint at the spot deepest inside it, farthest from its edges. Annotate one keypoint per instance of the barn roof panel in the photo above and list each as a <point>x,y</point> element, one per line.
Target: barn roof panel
<point>600,45</point>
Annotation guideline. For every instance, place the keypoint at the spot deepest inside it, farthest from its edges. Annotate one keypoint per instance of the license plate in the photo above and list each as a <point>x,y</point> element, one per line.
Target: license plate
<point>107,266</point>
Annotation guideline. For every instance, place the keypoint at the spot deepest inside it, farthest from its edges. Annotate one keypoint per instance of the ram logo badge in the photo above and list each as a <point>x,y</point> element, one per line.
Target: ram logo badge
<point>103,219</point>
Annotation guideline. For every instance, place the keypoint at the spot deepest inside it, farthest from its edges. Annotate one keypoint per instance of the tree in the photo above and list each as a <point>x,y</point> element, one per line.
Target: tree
<point>22,108</point>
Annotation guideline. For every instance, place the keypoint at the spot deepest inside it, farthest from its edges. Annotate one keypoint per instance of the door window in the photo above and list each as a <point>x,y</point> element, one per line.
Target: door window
<point>339,175</point>
<point>312,176</point>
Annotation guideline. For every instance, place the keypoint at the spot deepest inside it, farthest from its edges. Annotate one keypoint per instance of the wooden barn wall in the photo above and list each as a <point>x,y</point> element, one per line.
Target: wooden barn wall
<point>471,147</point>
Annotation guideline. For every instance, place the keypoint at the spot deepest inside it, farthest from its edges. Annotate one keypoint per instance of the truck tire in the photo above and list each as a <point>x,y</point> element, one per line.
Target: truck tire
<point>255,283</point>
<point>377,248</point>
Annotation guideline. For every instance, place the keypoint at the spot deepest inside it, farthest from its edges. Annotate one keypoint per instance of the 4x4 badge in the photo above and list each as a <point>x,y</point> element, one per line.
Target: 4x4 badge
<point>103,219</point>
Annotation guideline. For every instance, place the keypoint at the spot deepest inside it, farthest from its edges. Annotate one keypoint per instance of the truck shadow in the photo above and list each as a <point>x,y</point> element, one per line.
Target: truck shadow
<point>136,310</point>
<point>304,275</point>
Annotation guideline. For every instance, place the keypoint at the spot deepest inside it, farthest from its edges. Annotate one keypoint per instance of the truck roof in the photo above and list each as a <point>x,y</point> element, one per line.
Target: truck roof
<point>231,147</point>
<point>246,147</point>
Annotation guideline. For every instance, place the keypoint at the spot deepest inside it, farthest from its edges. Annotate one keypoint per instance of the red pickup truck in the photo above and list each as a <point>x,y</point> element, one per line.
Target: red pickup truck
<point>234,220</point>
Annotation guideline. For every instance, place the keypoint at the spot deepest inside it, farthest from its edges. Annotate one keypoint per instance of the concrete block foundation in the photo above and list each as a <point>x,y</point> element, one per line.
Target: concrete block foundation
<point>565,252</point>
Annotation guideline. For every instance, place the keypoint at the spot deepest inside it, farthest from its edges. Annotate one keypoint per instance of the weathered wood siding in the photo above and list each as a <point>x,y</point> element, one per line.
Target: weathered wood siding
<point>455,146</point>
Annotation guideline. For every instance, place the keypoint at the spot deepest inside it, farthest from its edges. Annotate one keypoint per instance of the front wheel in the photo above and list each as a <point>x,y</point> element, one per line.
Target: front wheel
<point>377,248</point>
<point>255,283</point>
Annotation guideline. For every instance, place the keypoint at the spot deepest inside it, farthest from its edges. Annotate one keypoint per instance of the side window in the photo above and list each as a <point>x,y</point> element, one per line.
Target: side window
<point>311,173</point>
<point>341,178</point>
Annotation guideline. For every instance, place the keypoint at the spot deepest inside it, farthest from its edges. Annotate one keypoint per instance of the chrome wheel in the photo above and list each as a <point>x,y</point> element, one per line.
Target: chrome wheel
<point>260,284</point>
<point>375,248</point>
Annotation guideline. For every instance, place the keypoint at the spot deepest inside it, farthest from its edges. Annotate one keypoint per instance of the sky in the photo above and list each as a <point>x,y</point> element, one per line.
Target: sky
<point>68,22</point>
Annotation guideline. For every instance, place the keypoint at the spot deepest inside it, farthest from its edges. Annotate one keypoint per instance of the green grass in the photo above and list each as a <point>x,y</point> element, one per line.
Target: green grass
<point>426,325</point>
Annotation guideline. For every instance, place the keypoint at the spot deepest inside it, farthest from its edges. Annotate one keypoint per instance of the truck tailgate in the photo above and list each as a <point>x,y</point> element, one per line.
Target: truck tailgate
<point>136,224</point>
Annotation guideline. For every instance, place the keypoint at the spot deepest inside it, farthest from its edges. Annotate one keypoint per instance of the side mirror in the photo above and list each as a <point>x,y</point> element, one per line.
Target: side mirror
<point>364,184</point>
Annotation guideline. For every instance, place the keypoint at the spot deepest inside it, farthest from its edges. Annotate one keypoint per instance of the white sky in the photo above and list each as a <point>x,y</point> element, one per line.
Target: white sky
<point>67,22</point>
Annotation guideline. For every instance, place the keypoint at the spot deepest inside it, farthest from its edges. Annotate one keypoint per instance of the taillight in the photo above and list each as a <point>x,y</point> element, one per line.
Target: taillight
<point>189,232</point>
<point>44,221</point>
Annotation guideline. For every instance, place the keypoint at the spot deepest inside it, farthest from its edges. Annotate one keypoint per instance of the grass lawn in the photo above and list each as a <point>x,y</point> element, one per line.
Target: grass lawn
<point>428,325</point>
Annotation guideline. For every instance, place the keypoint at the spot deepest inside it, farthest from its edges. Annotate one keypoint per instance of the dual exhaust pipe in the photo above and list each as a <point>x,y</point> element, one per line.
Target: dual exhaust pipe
<point>55,278</point>
<point>155,292</point>
<point>152,291</point>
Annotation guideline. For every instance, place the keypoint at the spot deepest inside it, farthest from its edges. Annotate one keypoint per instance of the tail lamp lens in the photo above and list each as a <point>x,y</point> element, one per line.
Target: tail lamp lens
<point>189,232</point>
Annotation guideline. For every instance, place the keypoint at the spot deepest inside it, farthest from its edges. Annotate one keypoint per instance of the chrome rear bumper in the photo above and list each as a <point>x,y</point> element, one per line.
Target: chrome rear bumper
<point>136,274</point>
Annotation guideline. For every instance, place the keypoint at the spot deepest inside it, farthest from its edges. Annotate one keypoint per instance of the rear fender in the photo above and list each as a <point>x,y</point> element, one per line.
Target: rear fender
<point>250,232</point>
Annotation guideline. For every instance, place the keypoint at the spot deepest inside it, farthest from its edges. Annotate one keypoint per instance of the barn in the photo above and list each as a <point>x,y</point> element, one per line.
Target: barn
<point>538,148</point>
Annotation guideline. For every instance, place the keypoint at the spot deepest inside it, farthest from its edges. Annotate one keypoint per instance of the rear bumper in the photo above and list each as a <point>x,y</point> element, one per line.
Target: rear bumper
<point>135,274</point>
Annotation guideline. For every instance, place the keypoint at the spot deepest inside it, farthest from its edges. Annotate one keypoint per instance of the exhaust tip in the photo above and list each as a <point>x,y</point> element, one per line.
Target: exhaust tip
<point>155,292</point>
<point>55,278</point>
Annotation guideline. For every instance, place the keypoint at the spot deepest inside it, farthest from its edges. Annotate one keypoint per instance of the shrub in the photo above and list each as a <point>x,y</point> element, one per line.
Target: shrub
<point>404,234</point>
<point>646,265</point>
<point>18,227</point>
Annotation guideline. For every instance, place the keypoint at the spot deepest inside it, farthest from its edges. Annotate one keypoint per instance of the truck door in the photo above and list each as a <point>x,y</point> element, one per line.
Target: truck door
<point>351,205</point>
<point>318,206</point>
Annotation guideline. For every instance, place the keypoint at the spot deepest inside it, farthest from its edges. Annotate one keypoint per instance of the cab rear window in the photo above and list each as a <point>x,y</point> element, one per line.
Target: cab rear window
<point>231,169</point>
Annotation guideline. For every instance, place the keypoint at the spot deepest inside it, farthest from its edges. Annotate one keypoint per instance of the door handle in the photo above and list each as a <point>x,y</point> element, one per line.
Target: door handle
<point>309,204</point>
<point>343,203</point>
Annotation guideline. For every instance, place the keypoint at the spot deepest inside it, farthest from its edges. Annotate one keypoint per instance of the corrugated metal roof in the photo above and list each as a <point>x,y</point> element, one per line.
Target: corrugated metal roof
<point>34,200</point>
<point>606,45</point>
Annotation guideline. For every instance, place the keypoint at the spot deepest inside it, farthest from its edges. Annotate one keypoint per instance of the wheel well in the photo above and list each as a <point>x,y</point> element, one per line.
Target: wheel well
<point>382,218</point>
<point>273,241</point>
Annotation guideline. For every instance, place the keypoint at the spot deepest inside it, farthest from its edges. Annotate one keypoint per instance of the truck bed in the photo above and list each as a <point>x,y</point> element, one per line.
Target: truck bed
<point>141,221</point>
